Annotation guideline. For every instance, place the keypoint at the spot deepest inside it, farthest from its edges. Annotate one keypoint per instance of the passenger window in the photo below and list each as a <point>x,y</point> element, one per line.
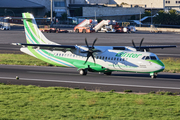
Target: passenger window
<point>153,58</point>
<point>117,59</point>
<point>109,58</point>
<point>106,58</point>
<point>97,57</point>
<point>100,57</point>
<point>112,58</point>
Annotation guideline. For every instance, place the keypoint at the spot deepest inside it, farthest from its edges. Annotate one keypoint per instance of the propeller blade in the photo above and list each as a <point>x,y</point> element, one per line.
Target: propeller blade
<point>86,42</point>
<point>93,58</point>
<point>141,43</point>
<point>88,55</point>
<point>133,44</point>
<point>94,43</point>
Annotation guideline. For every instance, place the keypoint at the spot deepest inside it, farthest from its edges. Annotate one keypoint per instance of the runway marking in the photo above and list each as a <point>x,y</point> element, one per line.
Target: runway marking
<point>78,74</point>
<point>108,84</point>
<point>119,75</point>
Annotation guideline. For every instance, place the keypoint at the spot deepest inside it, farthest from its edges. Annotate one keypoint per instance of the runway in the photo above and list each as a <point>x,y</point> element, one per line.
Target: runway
<point>69,77</point>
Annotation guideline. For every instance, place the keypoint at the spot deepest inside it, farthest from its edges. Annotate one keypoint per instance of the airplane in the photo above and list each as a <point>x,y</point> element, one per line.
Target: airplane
<point>104,59</point>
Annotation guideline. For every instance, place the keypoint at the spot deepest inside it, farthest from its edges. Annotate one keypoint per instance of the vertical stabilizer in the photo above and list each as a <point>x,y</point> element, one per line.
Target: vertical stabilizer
<point>32,32</point>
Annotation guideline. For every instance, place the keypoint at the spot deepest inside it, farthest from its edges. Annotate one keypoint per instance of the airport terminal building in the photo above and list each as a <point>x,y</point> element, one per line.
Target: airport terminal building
<point>88,8</point>
<point>15,8</point>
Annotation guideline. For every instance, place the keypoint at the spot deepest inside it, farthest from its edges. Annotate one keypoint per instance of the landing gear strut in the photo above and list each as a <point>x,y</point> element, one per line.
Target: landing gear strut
<point>153,75</point>
<point>83,72</point>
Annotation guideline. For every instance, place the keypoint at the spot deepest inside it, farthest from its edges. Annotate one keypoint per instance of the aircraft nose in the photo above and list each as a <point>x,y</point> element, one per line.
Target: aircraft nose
<point>160,65</point>
<point>162,68</point>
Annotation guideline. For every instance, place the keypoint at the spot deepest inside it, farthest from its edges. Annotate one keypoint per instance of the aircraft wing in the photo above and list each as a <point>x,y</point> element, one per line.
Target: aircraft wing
<point>48,46</point>
<point>155,47</point>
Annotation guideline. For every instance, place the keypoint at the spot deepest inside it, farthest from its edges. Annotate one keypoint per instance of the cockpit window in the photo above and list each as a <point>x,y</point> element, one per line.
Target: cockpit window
<point>147,58</point>
<point>153,58</point>
<point>143,57</point>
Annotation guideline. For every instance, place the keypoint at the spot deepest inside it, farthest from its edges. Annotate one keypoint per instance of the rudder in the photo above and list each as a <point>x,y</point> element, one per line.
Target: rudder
<point>32,32</point>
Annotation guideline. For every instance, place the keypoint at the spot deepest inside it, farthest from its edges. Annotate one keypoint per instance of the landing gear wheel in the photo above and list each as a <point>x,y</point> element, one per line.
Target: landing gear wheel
<point>107,73</point>
<point>83,72</point>
<point>153,75</point>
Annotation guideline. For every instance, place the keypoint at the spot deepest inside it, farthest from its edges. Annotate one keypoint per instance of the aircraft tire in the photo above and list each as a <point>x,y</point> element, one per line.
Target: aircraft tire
<point>83,72</point>
<point>153,76</point>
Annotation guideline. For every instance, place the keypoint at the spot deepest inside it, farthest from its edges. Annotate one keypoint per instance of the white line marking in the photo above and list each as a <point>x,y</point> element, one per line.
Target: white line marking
<point>108,84</point>
<point>119,75</point>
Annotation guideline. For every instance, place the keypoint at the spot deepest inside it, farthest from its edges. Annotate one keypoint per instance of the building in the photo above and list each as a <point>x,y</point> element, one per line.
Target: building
<point>146,3</point>
<point>17,7</point>
<point>172,4</point>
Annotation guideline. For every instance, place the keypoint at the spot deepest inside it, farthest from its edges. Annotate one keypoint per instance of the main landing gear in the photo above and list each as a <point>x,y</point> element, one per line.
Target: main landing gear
<point>83,71</point>
<point>153,75</point>
<point>107,73</point>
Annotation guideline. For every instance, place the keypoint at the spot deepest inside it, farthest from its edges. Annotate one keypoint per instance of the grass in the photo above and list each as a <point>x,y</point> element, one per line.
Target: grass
<point>40,103</point>
<point>172,64</point>
<point>20,59</point>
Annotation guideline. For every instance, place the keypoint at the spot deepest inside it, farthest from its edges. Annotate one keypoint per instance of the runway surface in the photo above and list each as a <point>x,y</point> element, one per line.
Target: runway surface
<point>69,77</point>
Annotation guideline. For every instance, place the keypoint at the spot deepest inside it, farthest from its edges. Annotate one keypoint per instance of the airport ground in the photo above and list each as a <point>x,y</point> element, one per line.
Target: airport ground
<point>53,76</point>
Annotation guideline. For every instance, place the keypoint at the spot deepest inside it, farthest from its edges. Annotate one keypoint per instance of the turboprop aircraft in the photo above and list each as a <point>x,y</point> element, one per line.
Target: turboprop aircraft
<point>93,58</point>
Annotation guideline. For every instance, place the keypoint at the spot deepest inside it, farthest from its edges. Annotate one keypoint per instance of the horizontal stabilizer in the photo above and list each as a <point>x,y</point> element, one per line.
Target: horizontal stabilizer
<point>46,46</point>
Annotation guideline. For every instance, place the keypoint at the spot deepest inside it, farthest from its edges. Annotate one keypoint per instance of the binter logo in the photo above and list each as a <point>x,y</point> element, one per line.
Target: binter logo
<point>130,55</point>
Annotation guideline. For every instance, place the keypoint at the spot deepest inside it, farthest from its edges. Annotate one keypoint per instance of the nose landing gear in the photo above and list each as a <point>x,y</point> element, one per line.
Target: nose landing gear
<point>153,75</point>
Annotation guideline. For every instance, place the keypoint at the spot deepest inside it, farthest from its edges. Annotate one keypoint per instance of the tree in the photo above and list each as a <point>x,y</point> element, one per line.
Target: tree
<point>169,18</point>
<point>146,13</point>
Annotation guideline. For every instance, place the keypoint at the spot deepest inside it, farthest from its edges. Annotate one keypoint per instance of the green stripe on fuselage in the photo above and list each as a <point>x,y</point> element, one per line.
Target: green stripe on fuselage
<point>157,62</point>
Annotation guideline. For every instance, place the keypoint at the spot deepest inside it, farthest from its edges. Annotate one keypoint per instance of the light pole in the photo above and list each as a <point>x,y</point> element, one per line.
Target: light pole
<point>151,15</point>
<point>140,19</point>
<point>95,14</point>
<point>51,13</point>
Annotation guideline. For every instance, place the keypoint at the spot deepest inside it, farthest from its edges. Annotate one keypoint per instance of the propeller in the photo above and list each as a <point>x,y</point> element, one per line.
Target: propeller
<point>90,51</point>
<point>139,44</point>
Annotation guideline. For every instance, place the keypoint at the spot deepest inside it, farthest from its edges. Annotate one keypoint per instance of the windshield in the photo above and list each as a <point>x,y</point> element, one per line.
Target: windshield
<point>150,58</point>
